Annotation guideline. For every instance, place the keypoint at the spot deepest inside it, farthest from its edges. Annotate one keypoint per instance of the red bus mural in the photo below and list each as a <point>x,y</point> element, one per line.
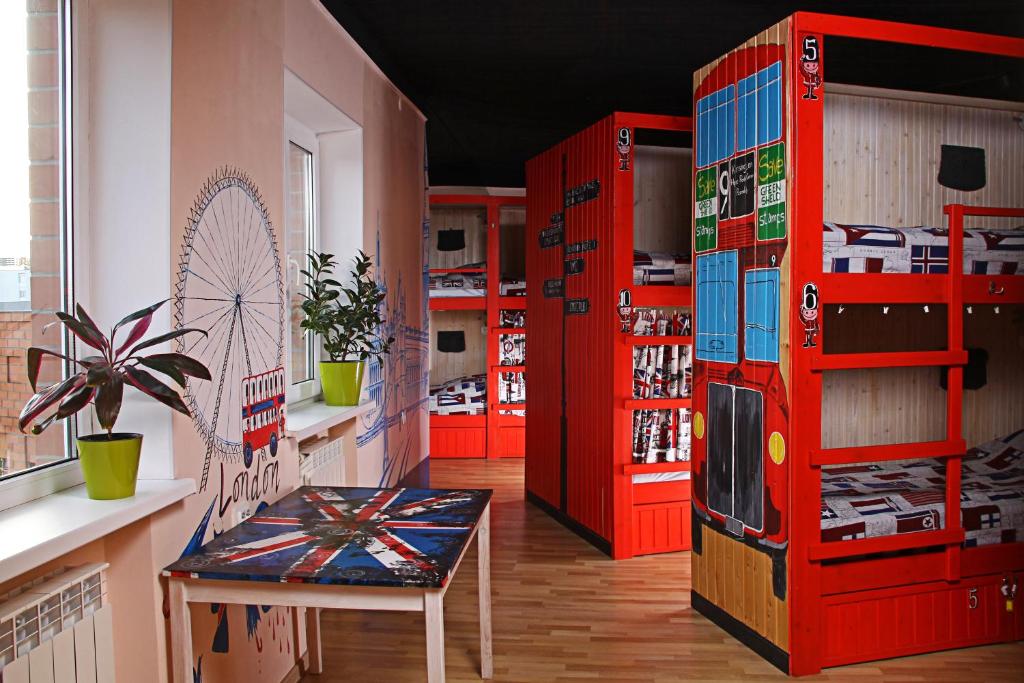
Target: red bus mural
<point>740,239</point>
<point>262,412</point>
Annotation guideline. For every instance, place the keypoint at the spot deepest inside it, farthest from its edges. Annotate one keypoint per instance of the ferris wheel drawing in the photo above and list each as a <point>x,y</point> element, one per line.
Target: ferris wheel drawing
<point>230,284</point>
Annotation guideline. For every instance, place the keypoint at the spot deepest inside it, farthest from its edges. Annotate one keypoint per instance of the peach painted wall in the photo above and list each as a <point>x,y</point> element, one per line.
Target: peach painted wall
<point>392,440</point>
<point>228,62</point>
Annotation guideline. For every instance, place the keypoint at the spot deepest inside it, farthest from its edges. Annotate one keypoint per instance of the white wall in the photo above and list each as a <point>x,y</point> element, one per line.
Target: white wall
<point>122,221</point>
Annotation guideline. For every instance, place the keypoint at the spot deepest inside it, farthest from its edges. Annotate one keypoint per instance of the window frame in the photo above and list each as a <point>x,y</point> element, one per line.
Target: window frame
<point>298,134</point>
<point>21,487</point>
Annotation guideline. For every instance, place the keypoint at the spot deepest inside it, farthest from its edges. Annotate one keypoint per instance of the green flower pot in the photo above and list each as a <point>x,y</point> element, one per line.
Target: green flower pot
<point>341,382</point>
<point>110,464</point>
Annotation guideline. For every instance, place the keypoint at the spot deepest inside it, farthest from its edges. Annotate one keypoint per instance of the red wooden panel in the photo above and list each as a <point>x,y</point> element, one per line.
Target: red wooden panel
<point>458,442</point>
<point>544,322</point>
<point>661,528</point>
<point>458,303</point>
<point>596,492</point>
<point>650,468</point>
<point>511,442</point>
<point>901,451</point>
<point>590,157</point>
<point>661,492</point>
<point>915,619</point>
<point>661,295</point>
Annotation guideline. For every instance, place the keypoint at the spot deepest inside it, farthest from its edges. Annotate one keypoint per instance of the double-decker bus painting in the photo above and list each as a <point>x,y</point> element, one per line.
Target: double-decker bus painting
<point>740,400</point>
<point>262,412</point>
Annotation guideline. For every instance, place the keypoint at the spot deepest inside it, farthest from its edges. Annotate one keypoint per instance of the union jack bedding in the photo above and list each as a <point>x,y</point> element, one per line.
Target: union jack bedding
<point>458,284</point>
<point>512,387</point>
<point>512,287</point>
<point>661,371</point>
<point>861,501</point>
<point>462,396</point>
<point>656,268</point>
<point>512,349</point>
<point>877,249</point>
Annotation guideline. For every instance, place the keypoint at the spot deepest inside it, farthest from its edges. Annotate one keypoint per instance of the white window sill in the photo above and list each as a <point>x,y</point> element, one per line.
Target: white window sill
<point>310,419</point>
<point>36,532</point>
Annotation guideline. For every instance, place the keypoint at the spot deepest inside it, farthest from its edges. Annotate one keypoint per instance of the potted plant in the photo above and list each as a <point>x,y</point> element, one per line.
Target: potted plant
<point>348,328</point>
<point>110,460</point>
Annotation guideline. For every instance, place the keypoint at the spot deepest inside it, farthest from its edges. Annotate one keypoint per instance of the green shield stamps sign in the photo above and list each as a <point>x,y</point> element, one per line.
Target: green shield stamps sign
<point>706,210</point>
<point>771,192</point>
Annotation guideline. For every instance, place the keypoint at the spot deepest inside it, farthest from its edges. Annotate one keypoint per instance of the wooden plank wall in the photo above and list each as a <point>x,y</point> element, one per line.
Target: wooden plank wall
<point>882,158</point>
<point>881,165</point>
<point>472,361</point>
<point>472,219</point>
<point>998,408</point>
<point>738,579</point>
<point>513,241</point>
<point>662,206</point>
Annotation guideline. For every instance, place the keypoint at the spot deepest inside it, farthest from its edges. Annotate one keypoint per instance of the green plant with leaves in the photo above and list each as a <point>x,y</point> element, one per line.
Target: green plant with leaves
<point>347,317</point>
<point>99,379</point>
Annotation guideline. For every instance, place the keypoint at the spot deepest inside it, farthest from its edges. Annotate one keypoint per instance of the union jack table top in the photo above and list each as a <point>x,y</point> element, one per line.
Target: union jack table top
<point>345,536</point>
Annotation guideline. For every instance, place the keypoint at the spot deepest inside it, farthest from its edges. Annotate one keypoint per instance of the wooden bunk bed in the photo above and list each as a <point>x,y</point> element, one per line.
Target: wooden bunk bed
<point>839,516</point>
<point>607,244</point>
<point>477,310</point>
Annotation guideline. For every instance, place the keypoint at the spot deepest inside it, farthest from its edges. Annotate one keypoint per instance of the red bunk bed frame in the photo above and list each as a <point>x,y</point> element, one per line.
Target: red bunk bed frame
<point>878,597</point>
<point>579,466</point>
<point>491,435</point>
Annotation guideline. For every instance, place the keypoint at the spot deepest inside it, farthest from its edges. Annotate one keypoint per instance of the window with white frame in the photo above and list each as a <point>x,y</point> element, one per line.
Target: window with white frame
<point>323,161</point>
<point>35,267</point>
<point>300,239</point>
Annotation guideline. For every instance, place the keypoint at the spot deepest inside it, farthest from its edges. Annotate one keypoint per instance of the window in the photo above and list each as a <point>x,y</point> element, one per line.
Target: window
<point>34,184</point>
<point>761,314</point>
<point>717,307</point>
<point>759,108</point>
<point>715,120</point>
<point>300,240</point>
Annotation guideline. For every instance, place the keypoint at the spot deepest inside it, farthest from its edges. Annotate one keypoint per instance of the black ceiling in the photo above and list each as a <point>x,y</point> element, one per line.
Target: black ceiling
<point>501,80</point>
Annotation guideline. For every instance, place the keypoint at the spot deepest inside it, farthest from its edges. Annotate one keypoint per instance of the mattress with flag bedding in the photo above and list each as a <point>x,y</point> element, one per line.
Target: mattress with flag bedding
<point>458,284</point>
<point>512,287</point>
<point>461,396</point>
<point>878,249</point>
<point>882,499</point>
<point>656,268</point>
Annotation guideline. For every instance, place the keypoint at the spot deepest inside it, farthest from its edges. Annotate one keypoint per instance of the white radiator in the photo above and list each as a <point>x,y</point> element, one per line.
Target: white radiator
<point>322,463</point>
<point>57,629</point>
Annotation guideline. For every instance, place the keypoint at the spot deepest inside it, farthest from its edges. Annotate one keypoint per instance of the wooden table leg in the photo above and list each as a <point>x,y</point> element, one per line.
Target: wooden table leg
<point>483,550</point>
<point>296,627</point>
<point>316,657</point>
<point>433,611</point>
<point>181,633</point>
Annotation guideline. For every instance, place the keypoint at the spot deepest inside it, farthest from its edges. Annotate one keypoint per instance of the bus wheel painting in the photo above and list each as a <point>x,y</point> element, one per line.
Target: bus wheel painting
<point>273,444</point>
<point>247,454</point>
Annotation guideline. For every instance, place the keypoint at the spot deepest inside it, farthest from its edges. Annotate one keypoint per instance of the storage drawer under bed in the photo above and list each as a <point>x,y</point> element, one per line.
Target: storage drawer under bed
<point>896,622</point>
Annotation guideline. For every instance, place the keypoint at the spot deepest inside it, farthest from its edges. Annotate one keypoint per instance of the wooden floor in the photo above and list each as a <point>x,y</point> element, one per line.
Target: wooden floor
<point>563,611</point>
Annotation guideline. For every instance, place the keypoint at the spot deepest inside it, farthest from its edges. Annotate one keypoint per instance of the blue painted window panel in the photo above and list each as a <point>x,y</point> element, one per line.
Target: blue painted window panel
<point>761,315</point>
<point>759,108</point>
<point>717,316</point>
<point>715,121</point>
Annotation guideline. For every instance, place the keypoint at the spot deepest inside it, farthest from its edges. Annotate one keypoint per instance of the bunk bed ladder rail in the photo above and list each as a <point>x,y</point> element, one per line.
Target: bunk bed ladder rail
<point>951,449</point>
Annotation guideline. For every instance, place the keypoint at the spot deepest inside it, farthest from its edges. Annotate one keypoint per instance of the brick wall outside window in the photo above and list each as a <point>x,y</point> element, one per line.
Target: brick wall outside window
<point>24,327</point>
